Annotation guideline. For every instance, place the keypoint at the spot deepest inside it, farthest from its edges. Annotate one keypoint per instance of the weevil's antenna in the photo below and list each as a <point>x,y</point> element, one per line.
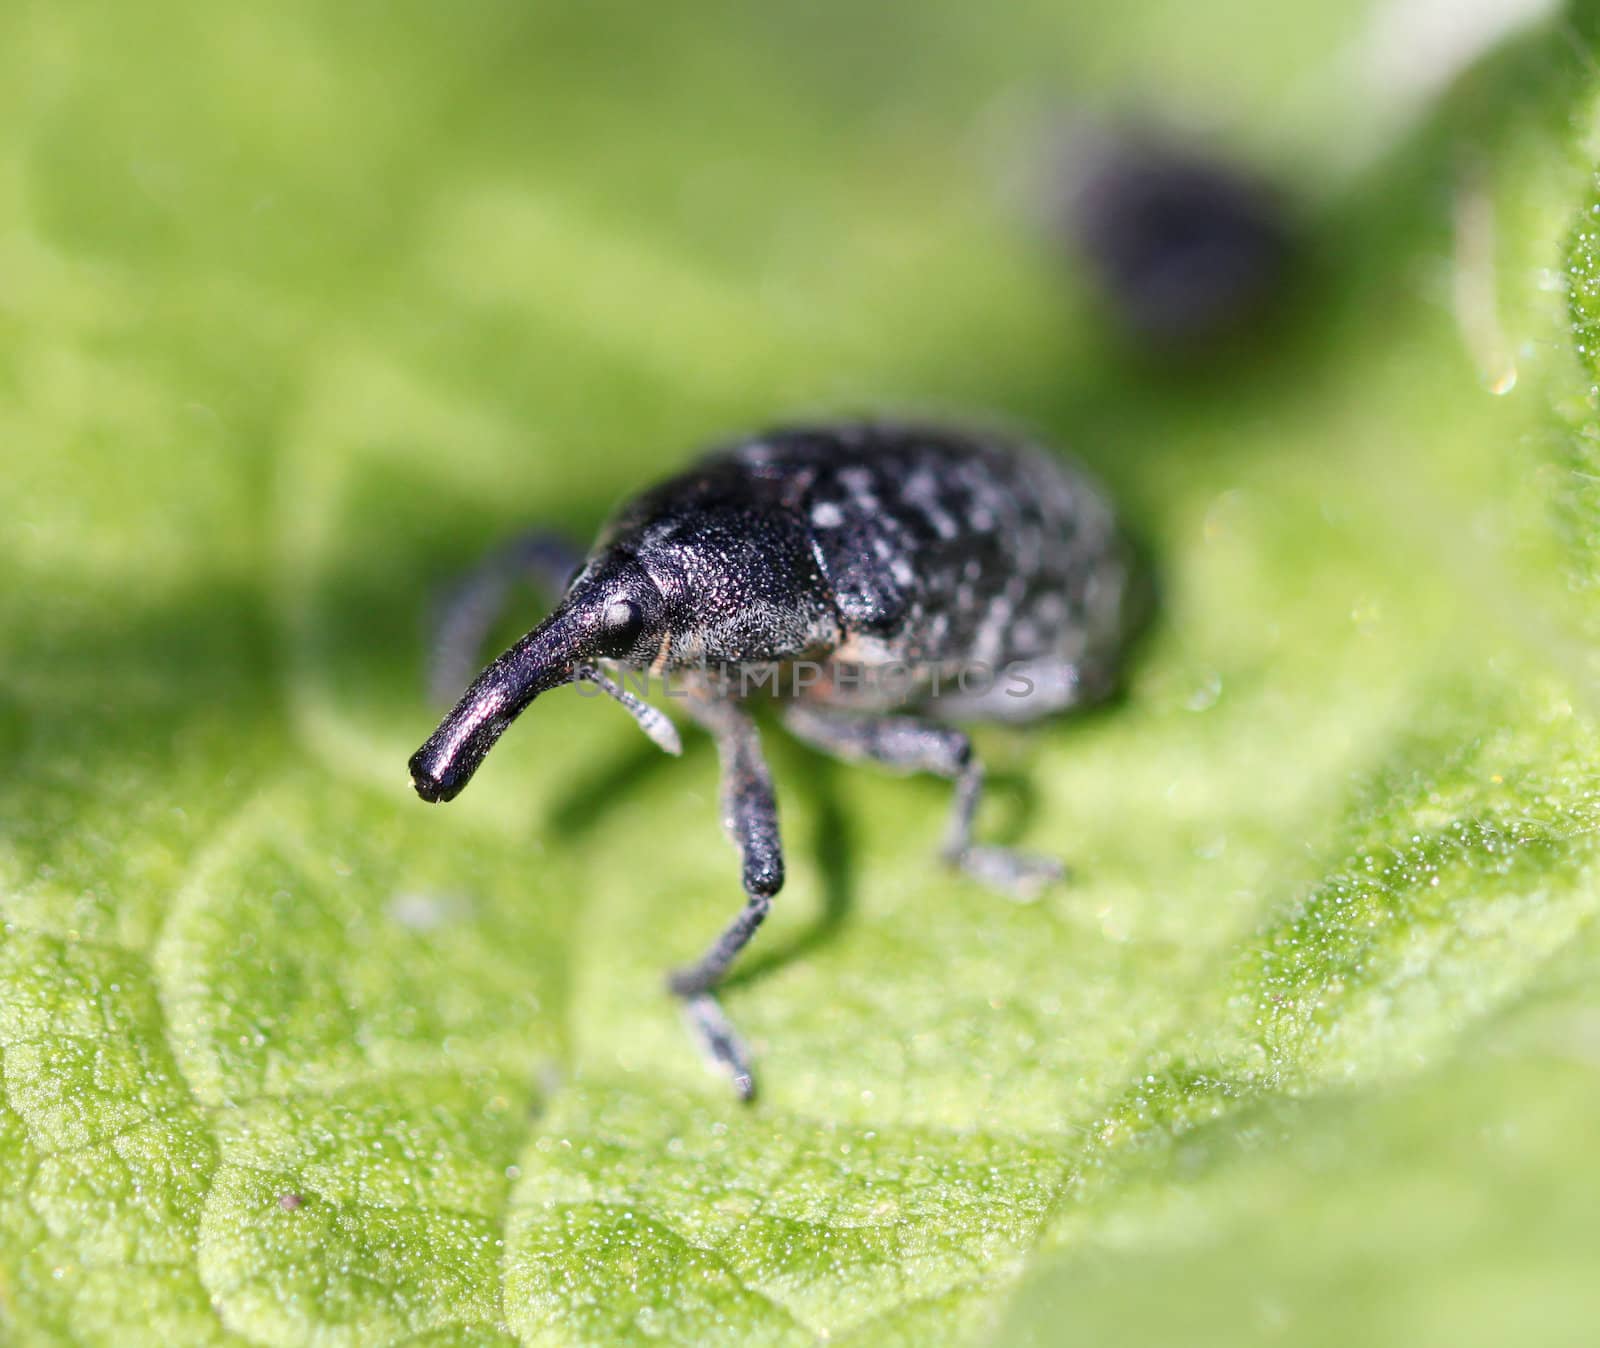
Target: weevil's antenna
<point>652,720</point>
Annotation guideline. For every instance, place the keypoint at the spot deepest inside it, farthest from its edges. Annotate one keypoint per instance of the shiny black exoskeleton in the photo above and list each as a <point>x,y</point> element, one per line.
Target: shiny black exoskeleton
<point>877,580</point>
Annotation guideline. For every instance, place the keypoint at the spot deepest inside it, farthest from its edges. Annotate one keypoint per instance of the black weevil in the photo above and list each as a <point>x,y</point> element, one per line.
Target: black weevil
<point>880,580</point>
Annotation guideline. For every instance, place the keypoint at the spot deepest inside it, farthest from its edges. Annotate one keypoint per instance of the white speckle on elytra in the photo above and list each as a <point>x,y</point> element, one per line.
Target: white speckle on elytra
<point>1051,609</point>
<point>921,489</point>
<point>858,482</point>
<point>826,515</point>
<point>986,645</point>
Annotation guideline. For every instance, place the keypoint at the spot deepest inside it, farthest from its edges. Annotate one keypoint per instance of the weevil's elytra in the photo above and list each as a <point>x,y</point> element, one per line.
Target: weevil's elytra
<point>854,552</point>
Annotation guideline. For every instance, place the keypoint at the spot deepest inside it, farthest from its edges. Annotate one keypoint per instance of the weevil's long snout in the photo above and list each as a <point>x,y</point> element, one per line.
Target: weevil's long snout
<point>546,658</point>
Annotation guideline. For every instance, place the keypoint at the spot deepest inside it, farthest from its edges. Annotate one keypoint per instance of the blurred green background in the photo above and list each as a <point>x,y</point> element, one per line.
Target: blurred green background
<point>302,307</point>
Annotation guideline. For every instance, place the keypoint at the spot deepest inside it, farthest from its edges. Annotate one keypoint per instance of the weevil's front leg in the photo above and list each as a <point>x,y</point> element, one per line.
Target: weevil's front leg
<point>468,608</point>
<point>750,816</point>
<point>909,744</point>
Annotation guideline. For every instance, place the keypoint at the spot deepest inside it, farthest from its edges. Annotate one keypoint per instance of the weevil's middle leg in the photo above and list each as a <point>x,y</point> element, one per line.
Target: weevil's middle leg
<point>467,609</point>
<point>750,816</point>
<point>910,744</point>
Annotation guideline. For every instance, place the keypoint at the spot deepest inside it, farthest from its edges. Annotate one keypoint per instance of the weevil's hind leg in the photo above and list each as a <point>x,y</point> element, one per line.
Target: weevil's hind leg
<point>467,609</point>
<point>750,815</point>
<point>910,744</point>
<point>1021,875</point>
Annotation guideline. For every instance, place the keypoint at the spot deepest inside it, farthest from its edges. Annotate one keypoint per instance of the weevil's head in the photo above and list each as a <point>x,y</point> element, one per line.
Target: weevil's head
<point>613,611</point>
<point>688,576</point>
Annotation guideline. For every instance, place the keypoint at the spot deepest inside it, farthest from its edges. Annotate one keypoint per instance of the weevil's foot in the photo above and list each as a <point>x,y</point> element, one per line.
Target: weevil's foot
<point>721,1046</point>
<point>1017,875</point>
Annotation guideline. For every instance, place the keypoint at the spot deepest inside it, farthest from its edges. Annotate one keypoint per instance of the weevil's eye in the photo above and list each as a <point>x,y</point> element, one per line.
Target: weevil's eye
<point>622,621</point>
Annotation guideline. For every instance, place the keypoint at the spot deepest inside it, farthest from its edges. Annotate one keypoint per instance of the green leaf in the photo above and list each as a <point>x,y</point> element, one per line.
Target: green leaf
<point>303,308</point>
